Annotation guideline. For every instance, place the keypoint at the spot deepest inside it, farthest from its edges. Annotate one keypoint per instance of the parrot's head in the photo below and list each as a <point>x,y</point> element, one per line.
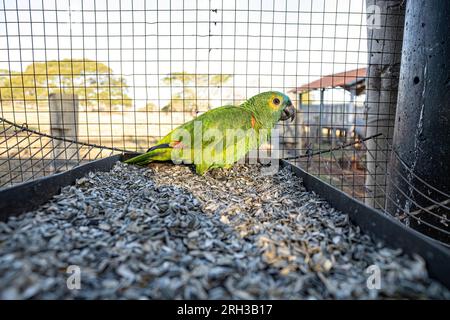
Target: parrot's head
<point>273,104</point>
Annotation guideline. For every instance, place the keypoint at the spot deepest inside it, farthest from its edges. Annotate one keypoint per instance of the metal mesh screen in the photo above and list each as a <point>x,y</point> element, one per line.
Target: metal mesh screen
<point>80,80</point>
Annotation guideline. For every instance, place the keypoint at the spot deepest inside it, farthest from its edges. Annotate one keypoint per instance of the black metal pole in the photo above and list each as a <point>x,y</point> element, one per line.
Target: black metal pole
<point>418,184</point>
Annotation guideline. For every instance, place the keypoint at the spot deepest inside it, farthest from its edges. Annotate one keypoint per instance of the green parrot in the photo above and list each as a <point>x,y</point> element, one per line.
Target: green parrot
<point>220,137</point>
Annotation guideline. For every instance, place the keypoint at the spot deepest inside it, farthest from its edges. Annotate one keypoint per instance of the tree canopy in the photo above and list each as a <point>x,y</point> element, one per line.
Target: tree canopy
<point>190,84</point>
<point>92,81</point>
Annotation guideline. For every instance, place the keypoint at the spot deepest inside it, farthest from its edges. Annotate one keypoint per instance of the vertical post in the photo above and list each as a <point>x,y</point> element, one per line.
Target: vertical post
<point>351,112</point>
<point>385,36</point>
<point>419,167</point>
<point>322,91</point>
<point>298,126</point>
<point>64,124</point>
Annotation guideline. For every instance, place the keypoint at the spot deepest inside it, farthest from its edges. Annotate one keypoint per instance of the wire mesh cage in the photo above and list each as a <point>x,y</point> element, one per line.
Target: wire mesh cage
<point>82,80</point>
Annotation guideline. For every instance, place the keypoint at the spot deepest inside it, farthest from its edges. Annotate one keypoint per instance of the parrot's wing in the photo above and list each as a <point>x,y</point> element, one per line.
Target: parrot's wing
<point>211,124</point>
<point>234,147</point>
<point>218,126</point>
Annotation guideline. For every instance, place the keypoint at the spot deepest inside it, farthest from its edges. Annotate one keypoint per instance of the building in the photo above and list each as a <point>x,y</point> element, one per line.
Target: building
<point>331,119</point>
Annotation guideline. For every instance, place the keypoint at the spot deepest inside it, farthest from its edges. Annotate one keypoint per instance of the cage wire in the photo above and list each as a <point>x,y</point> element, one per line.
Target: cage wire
<point>82,80</point>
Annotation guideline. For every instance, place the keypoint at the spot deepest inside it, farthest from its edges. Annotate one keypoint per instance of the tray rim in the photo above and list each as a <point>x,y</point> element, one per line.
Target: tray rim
<point>16,200</point>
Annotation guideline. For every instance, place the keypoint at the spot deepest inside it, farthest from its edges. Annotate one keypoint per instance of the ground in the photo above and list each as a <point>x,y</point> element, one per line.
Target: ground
<point>165,232</point>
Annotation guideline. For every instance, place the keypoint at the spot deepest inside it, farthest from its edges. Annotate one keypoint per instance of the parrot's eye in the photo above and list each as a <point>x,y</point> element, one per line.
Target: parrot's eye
<point>276,101</point>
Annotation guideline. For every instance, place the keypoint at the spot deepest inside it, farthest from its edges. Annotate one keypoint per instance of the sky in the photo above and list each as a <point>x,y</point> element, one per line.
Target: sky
<point>264,44</point>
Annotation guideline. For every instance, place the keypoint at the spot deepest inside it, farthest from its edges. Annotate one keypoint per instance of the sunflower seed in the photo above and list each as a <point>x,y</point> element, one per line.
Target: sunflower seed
<point>165,232</point>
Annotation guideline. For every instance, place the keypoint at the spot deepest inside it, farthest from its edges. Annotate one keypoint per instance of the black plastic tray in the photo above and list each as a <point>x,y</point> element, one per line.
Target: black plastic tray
<point>29,195</point>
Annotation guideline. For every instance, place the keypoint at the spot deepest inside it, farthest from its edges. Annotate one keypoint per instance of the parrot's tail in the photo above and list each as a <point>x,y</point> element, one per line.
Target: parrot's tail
<point>151,155</point>
<point>159,146</point>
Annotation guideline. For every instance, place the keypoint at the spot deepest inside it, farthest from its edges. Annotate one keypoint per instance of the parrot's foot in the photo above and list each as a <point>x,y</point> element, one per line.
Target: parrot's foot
<point>201,169</point>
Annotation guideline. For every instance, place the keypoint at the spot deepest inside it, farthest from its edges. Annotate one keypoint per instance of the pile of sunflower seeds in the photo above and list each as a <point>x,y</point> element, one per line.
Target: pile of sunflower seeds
<point>164,232</point>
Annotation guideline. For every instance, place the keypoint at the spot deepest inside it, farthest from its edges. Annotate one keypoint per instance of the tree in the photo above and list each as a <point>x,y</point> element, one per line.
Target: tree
<point>190,84</point>
<point>384,48</point>
<point>92,81</point>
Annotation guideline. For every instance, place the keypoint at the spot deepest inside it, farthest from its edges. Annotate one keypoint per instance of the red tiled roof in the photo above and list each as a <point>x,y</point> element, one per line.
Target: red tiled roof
<point>342,79</point>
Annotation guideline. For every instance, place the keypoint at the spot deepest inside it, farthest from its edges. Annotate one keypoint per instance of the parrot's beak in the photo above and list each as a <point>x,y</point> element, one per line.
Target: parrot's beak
<point>288,112</point>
